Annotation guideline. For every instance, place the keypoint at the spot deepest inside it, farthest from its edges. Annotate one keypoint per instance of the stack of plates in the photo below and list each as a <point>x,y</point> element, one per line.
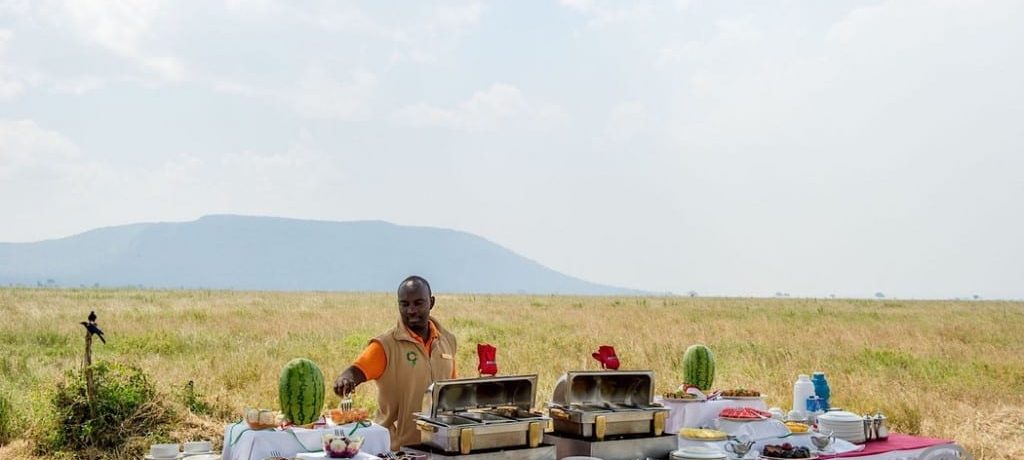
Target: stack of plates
<point>845,425</point>
<point>698,453</point>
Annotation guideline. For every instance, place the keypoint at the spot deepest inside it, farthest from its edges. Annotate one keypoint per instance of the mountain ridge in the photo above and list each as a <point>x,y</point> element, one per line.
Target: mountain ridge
<point>228,251</point>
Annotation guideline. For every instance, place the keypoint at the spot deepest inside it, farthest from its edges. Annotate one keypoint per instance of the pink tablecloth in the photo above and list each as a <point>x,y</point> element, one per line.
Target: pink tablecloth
<point>895,442</point>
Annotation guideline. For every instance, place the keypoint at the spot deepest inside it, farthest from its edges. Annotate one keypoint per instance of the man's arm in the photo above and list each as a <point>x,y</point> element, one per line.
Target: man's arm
<point>347,382</point>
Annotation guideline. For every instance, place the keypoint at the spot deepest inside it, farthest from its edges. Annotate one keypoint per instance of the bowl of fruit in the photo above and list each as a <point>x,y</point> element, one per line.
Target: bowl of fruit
<point>340,446</point>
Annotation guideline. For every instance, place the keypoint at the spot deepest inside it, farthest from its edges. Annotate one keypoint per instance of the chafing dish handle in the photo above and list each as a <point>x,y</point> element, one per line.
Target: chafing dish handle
<point>424,426</point>
<point>535,434</point>
<point>558,413</point>
<point>466,441</point>
<point>600,427</point>
<point>659,422</point>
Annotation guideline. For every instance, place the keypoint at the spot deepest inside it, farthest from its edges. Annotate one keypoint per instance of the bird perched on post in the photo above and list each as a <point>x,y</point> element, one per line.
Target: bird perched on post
<point>94,329</point>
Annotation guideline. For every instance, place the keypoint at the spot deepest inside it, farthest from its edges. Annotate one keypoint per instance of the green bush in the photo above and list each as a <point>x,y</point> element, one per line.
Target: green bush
<point>126,408</point>
<point>6,420</point>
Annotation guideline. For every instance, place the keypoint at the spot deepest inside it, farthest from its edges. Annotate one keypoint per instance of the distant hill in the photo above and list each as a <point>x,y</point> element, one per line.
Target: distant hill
<point>269,253</point>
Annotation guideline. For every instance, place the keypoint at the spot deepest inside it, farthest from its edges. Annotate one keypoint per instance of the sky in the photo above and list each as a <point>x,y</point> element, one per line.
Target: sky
<point>726,148</point>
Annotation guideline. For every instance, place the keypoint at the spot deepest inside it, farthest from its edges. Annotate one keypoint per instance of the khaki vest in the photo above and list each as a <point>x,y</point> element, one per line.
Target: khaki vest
<point>408,374</point>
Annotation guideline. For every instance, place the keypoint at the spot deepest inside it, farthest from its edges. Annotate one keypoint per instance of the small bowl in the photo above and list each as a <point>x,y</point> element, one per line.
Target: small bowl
<point>163,450</point>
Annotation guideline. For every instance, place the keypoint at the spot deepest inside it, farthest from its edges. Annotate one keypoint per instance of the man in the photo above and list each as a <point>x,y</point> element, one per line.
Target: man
<point>404,361</point>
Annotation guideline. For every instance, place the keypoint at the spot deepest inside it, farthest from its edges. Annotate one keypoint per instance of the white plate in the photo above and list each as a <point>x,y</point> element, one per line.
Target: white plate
<point>193,454</point>
<point>150,457</point>
<point>698,452</point>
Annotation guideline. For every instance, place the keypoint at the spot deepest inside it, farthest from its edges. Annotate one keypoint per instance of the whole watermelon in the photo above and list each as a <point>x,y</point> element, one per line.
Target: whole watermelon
<point>301,391</point>
<point>699,367</point>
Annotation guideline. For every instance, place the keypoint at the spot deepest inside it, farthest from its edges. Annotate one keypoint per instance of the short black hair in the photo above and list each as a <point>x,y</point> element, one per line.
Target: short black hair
<point>418,280</point>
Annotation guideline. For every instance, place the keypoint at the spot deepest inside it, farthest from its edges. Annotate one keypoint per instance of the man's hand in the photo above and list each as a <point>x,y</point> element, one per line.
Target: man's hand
<point>347,382</point>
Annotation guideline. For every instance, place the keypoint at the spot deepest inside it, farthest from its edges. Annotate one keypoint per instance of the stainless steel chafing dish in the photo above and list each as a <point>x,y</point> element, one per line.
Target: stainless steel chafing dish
<point>466,415</point>
<point>596,404</point>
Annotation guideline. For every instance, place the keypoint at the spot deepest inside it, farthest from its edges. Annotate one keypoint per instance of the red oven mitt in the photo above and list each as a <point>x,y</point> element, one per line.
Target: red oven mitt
<point>487,354</point>
<point>606,356</point>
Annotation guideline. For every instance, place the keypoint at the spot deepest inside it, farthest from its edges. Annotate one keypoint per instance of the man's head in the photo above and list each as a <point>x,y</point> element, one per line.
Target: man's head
<point>415,302</point>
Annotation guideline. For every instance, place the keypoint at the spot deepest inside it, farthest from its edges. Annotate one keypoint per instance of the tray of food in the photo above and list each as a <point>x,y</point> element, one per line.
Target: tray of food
<point>681,396</point>
<point>744,414</point>
<point>786,451</point>
<point>740,393</point>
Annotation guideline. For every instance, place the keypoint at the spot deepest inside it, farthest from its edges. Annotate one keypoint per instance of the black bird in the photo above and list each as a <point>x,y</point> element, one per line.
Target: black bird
<point>92,317</point>
<point>94,329</point>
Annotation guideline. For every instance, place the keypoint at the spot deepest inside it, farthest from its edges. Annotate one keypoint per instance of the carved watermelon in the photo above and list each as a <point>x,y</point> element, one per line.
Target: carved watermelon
<point>301,391</point>
<point>699,367</point>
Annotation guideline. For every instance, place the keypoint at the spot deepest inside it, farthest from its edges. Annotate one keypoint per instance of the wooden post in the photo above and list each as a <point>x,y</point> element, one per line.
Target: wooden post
<point>90,389</point>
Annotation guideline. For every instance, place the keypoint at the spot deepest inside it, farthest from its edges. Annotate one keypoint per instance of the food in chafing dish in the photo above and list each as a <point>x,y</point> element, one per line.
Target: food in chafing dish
<point>703,434</point>
<point>740,393</point>
<point>786,450</point>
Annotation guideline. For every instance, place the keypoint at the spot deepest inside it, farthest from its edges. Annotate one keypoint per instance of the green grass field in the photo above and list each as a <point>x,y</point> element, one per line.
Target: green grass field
<point>937,368</point>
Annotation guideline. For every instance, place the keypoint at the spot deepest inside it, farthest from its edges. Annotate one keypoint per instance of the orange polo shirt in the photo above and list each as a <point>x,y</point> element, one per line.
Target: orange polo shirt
<point>373,360</point>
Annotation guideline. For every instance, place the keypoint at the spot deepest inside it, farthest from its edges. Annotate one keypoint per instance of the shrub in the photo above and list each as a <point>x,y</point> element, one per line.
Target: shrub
<point>6,420</point>
<point>126,408</point>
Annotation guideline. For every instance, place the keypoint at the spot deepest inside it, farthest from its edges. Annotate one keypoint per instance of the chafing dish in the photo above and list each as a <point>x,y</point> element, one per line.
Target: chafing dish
<point>467,415</point>
<point>597,404</point>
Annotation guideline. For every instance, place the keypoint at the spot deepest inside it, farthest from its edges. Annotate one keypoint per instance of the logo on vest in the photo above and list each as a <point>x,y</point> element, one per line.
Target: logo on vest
<point>411,357</point>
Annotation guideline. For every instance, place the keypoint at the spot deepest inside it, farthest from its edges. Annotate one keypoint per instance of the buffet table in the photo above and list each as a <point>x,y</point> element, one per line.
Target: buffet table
<point>896,447</point>
<point>242,443</point>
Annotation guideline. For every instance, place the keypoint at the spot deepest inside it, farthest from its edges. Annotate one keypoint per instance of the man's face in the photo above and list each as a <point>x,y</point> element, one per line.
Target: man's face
<point>414,304</point>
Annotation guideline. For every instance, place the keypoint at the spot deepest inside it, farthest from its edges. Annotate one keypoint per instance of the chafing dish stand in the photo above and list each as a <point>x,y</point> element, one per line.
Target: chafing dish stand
<point>541,452</point>
<point>464,416</point>
<point>622,448</point>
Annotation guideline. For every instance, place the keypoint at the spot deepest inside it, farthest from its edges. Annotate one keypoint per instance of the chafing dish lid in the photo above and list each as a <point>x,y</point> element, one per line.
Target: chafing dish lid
<point>600,388</point>
<point>460,395</point>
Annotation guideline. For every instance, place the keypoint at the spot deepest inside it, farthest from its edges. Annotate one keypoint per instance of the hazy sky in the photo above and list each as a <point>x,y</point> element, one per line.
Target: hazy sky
<point>734,148</point>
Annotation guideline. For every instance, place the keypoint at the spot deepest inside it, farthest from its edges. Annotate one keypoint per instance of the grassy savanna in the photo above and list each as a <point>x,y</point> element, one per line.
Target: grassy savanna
<point>936,368</point>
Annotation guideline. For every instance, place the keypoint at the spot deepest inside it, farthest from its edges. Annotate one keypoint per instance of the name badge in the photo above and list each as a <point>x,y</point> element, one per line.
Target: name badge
<point>446,356</point>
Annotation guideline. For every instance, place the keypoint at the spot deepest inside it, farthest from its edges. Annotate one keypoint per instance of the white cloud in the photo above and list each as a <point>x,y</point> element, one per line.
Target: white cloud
<point>10,86</point>
<point>23,143</point>
<point>602,14</point>
<point>627,120</point>
<point>119,26</point>
<point>501,105</point>
<point>322,95</point>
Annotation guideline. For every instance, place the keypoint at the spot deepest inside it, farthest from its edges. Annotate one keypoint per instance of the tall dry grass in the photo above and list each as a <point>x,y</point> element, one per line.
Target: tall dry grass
<point>944,369</point>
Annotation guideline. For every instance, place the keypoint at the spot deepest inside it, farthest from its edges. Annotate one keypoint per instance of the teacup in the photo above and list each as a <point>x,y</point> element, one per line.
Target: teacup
<point>739,448</point>
<point>198,447</point>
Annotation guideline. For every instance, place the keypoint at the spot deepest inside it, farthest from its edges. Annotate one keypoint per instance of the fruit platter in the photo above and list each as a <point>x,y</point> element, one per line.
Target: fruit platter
<point>786,451</point>
<point>743,414</point>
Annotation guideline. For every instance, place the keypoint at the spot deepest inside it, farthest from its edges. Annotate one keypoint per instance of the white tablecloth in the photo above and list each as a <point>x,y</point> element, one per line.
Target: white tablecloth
<point>242,443</point>
<point>701,414</point>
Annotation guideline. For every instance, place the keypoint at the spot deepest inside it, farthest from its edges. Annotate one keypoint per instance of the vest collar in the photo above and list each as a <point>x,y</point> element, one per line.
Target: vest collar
<point>403,333</point>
